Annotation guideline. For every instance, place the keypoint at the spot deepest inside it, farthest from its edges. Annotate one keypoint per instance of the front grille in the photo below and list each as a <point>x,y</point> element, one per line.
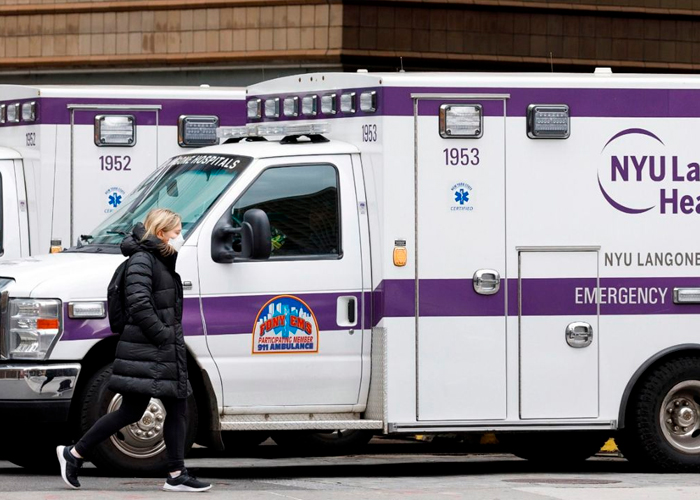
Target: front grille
<point>4,303</point>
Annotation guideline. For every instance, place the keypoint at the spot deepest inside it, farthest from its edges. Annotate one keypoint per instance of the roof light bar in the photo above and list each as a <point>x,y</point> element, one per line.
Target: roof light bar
<point>263,129</point>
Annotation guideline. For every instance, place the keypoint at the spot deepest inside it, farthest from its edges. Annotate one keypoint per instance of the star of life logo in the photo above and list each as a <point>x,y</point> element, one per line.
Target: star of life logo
<point>114,197</point>
<point>285,324</point>
<point>462,197</point>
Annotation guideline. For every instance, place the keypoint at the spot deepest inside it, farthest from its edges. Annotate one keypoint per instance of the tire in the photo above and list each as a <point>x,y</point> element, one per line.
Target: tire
<point>340,441</point>
<point>126,453</point>
<point>236,442</point>
<point>554,448</point>
<point>662,429</point>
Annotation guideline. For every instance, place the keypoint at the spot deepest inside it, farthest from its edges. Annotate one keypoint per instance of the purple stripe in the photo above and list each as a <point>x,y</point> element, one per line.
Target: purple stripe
<point>583,102</point>
<point>54,111</point>
<point>447,298</point>
<point>238,314</point>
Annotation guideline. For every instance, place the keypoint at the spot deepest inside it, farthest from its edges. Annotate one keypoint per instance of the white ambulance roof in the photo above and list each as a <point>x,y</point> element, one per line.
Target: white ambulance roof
<point>322,81</point>
<point>119,91</point>
<point>9,154</point>
<point>273,149</point>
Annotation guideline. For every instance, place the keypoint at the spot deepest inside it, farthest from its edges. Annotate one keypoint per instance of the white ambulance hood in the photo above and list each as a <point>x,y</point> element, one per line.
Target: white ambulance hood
<point>66,276</point>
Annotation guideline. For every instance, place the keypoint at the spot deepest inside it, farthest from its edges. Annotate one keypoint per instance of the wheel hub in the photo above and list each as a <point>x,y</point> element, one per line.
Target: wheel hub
<point>142,439</point>
<point>680,417</point>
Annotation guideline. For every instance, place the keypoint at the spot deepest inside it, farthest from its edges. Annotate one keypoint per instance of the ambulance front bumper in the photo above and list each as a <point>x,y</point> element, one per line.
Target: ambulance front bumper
<point>31,394</point>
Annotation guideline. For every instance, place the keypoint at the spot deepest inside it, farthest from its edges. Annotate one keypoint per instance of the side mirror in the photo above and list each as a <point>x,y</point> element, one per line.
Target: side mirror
<point>256,239</point>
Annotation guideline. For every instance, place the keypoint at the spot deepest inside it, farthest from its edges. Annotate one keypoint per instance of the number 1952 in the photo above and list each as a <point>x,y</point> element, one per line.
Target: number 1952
<point>117,162</point>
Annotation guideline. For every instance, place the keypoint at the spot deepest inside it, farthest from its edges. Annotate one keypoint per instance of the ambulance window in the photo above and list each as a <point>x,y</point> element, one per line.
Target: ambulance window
<point>302,205</point>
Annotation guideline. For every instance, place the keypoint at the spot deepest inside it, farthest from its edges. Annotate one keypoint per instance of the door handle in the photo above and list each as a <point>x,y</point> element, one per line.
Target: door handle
<point>486,281</point>
<point>579,334</point>
<point>346,312</point>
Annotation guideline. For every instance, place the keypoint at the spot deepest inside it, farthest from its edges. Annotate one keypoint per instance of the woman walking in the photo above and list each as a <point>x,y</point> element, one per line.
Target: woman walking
<point>151,360</point>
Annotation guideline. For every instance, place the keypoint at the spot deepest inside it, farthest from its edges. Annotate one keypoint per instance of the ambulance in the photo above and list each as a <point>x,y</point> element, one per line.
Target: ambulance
<point>400,254</point>
<point>70,154</point>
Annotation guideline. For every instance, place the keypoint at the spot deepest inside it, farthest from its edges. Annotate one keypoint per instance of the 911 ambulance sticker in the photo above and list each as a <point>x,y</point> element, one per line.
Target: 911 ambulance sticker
<point>285,324</point>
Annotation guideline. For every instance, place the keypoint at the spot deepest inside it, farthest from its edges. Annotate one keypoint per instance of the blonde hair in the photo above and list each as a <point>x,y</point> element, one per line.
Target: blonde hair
<point>161,219</point>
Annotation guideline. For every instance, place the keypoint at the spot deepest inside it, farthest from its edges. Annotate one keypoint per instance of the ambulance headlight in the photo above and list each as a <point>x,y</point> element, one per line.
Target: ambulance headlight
<point>461,121</point>
<point>254,109</point>
<point>368,102</point>
<point>3,113</point>
<point>347,102</point>
<point>686,295</point>
<point>13,113</point>
<point>195,131</point>
<point>548,121</point>
<point>272,108</point>
<point>115,130</point>
<point>309,105</point>
<point>31,328</point>
<point>291,106</point>
<point>329,104</point>
<point>29,111</point>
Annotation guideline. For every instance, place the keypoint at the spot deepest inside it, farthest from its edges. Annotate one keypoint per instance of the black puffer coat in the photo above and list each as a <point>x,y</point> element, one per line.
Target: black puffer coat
<point>151,357</point>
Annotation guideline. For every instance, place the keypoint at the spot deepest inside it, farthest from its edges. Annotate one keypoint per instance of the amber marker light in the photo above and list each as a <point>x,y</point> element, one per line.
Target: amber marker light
<point>400,253</point>
<point>47,324</point>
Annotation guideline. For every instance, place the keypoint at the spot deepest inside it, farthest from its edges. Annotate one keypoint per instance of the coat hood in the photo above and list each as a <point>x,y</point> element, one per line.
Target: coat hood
<point>135,242</point>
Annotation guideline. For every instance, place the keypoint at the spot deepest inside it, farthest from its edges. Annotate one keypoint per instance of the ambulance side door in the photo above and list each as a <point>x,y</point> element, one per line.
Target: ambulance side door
<point>14,241</point>
<point>288,331</point>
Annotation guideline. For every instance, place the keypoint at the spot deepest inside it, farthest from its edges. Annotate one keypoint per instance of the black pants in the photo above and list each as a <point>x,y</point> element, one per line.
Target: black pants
<point>131,410</point>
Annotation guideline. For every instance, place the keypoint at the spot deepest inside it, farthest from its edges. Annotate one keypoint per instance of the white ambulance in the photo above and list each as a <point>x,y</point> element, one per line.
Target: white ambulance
<point>405,253</point>
<point>69,154</point>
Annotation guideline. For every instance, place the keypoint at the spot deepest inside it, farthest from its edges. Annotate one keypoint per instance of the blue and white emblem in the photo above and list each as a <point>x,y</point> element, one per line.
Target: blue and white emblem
<point>462,197</point>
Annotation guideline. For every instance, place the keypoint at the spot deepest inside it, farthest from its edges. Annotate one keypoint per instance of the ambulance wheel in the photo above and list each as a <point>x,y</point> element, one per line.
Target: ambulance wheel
<point>662,430</point>
<point>236,442</point>
<point>136,449</point>
<point>554,448</point>
<point>340,440</point>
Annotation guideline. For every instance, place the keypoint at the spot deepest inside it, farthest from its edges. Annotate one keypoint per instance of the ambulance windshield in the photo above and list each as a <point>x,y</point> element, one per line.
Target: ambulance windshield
<point>187,185</point>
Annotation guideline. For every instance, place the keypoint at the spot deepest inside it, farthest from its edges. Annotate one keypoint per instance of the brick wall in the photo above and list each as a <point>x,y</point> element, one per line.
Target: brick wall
<point>466,34</point>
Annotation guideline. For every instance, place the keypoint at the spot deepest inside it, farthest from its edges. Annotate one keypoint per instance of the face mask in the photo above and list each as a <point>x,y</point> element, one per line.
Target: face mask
<point>177,242</point>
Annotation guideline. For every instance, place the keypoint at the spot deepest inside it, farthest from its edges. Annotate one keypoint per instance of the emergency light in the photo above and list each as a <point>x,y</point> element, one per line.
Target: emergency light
<point>195,131</point>
<point>254,107</point>
<point>309,105</point>
<point>461,121</point>
<point>328,104</point>
<point>13,113</point>
<point>115,130</point>
<point>368,102</point>
<point>291,106</point>
<point>272,108</point>
<point>548,121</point>
<point>265,129</point>
<point>3,113</point>
<point>347,102</point>
<point>29,111</point>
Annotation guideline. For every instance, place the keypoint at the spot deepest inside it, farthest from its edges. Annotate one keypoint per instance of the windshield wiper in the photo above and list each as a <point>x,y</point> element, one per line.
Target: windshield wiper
<point>86,238</point>
<point>121,233</point>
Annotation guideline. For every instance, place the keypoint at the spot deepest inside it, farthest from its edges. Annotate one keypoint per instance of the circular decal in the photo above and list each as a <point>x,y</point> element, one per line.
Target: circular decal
<point>285,324</point>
